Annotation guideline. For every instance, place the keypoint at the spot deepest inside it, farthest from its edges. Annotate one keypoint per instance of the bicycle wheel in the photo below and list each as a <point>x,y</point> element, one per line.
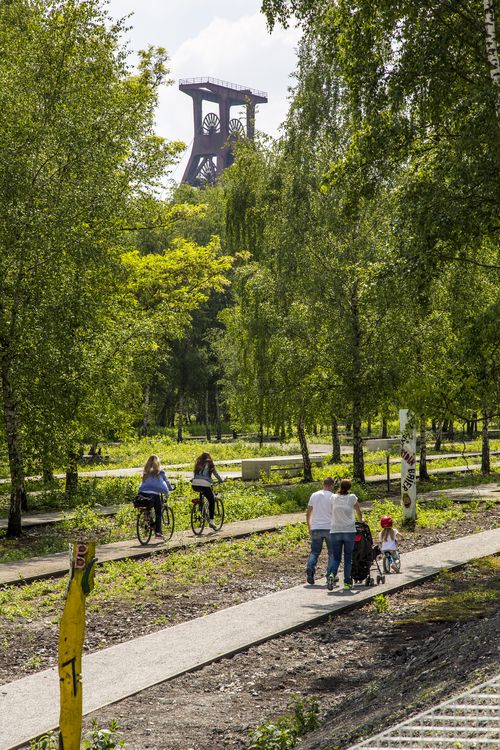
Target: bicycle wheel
<point>144,526</point>
<point>198,517</point>
<point>167,522</point>
<point>218,513</point>
<point>386,564</point>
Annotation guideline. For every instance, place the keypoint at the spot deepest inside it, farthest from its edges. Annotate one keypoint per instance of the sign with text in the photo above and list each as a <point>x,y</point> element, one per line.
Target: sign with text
<point>408,426</point>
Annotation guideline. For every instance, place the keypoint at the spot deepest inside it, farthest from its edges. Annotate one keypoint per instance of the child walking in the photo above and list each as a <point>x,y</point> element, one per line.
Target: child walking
<point>389,537</point>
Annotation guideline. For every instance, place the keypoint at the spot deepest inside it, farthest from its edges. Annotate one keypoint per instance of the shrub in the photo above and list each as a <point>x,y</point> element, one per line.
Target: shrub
<point>284,733</point>
<point>96,738</point>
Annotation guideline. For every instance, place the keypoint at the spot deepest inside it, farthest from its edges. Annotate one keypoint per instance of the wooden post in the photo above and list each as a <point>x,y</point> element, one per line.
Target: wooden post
<point>408,428</point>
<point>71,635</point>
<point>388,464</point>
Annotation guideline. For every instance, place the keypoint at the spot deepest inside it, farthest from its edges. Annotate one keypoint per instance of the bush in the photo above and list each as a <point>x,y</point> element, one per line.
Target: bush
<point>96,738</point>
<point>284,733</point>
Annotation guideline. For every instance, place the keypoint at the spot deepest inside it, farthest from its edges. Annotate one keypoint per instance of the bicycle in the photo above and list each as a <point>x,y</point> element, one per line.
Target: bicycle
<point>146,518</point>
<point>390,560</point>
<point>200,513</point>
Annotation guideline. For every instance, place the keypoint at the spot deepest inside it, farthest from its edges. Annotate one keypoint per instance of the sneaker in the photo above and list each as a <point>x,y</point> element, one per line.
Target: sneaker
<point>347,586</point>
<point>310,577</point>
<point>330,582</point>
<point>212,525</point>
<point>160,537</point>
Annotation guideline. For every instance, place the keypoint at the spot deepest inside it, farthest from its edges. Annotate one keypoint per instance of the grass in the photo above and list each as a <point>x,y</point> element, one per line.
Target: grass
<point>464,594</point>
<point>136,580</point>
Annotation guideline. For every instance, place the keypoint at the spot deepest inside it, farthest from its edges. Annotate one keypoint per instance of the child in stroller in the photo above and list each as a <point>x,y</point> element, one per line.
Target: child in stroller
<point>389,538</point>
<point>364,555</point>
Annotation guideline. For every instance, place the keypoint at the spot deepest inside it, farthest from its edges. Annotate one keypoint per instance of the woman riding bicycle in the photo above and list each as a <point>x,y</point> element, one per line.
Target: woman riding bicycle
<point>155,484</point>
<point>204,468</point>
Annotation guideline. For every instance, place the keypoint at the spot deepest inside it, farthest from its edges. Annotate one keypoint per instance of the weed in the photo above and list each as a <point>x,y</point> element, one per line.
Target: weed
<point>162,620</point>
<point>285,732</point>
<point>372,690</point>
<point>381,603</point>
<point>35,662</point>
<point>97,738</point>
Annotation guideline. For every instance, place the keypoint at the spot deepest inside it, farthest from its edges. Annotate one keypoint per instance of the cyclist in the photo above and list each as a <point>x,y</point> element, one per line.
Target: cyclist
<point>155,484</point>
<point>204,468</point>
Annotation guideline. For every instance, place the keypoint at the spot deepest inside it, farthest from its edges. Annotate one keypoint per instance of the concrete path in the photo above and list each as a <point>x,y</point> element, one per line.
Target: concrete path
<point>29,706</point>
<point>24,571</point>
<point>50,517</point>
<point>178,468</point>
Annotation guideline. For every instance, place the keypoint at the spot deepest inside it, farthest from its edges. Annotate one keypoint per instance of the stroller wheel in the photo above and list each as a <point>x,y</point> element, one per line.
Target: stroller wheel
<point>379,579</point>
<point>382,579</point>
<point>367,582</point>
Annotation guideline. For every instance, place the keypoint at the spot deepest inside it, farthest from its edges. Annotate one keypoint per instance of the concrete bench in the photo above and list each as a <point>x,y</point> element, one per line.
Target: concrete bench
<point>381,444</point>
<point>252,468</point>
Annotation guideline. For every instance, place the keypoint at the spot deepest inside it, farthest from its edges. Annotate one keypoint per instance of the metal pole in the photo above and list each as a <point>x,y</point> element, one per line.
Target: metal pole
<point>388,464</point>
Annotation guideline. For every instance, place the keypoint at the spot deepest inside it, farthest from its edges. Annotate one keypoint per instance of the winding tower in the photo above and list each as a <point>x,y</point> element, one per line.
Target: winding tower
<point>214,135</point>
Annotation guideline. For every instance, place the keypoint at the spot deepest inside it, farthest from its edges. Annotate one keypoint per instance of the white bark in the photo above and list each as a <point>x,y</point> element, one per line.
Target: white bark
<point>492,49</point>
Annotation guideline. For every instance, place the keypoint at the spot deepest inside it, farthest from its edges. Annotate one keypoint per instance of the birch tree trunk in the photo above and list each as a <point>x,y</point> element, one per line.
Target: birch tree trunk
<point>304,449</point>
<point>207,418</point>
<point>423,473</point>
<point>180,417</point>
<point>492,50</point>
<point>336,457</point>
<point>439,435</point>
<point>145,412</point>
<point>218,425</point>
<point>72,474</point>
<point>18,498</point>
<point>485,444</point>
<point>357,437</point>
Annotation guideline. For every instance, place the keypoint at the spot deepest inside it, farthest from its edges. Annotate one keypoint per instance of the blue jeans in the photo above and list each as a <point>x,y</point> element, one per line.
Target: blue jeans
<point>317,538</point>
<point>341,540</point>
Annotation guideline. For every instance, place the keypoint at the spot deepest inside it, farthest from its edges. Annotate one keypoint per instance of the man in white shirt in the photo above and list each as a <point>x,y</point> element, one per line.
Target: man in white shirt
<point>318,517</point>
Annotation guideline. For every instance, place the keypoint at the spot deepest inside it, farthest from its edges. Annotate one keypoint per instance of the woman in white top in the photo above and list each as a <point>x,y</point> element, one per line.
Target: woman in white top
<point>342,533</point>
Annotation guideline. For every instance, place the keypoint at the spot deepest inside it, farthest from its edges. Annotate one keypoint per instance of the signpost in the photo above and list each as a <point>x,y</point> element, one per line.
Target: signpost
<point>408,426</point>
<point>71,634</point>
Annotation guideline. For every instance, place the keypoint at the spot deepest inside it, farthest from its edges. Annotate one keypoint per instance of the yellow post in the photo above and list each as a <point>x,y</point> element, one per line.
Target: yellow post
<point>71,634</point>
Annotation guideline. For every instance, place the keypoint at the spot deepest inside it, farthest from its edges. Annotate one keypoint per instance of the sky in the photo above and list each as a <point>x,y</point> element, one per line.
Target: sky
<point>226,39</point>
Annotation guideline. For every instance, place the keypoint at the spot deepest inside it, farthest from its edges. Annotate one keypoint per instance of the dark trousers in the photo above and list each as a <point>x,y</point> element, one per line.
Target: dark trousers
<point>157,506</point>
<point>209,494</point>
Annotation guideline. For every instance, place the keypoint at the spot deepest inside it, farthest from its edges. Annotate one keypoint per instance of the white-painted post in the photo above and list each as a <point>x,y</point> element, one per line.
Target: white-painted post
<point>408,426</point>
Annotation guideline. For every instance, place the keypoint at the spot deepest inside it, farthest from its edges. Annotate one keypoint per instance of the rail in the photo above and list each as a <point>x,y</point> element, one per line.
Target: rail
<point>226,84</point>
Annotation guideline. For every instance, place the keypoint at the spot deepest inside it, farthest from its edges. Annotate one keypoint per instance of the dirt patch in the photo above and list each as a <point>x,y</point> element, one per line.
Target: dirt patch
<point>29,645</point>
<point>367,670</point>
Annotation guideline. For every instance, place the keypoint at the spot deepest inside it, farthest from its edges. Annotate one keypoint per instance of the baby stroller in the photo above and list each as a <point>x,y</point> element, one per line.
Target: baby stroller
<point>364,555</point>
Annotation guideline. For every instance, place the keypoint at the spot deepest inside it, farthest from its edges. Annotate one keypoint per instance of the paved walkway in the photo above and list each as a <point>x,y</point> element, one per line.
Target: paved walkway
<point>470,720</point>
<point>177,469</point>
<point>23,571</point>
<point>29,706</point>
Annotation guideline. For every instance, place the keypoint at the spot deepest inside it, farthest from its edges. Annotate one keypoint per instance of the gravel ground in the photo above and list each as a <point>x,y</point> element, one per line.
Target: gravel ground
<point>28,645</point>
<point>367,670</point>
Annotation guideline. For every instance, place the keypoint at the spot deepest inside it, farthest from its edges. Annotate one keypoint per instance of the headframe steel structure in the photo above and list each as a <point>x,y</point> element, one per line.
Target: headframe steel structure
<point>214,135</point>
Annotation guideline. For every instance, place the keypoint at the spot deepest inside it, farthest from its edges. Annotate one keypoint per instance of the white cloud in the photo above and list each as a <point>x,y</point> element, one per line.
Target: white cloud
<point>240,51</point>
